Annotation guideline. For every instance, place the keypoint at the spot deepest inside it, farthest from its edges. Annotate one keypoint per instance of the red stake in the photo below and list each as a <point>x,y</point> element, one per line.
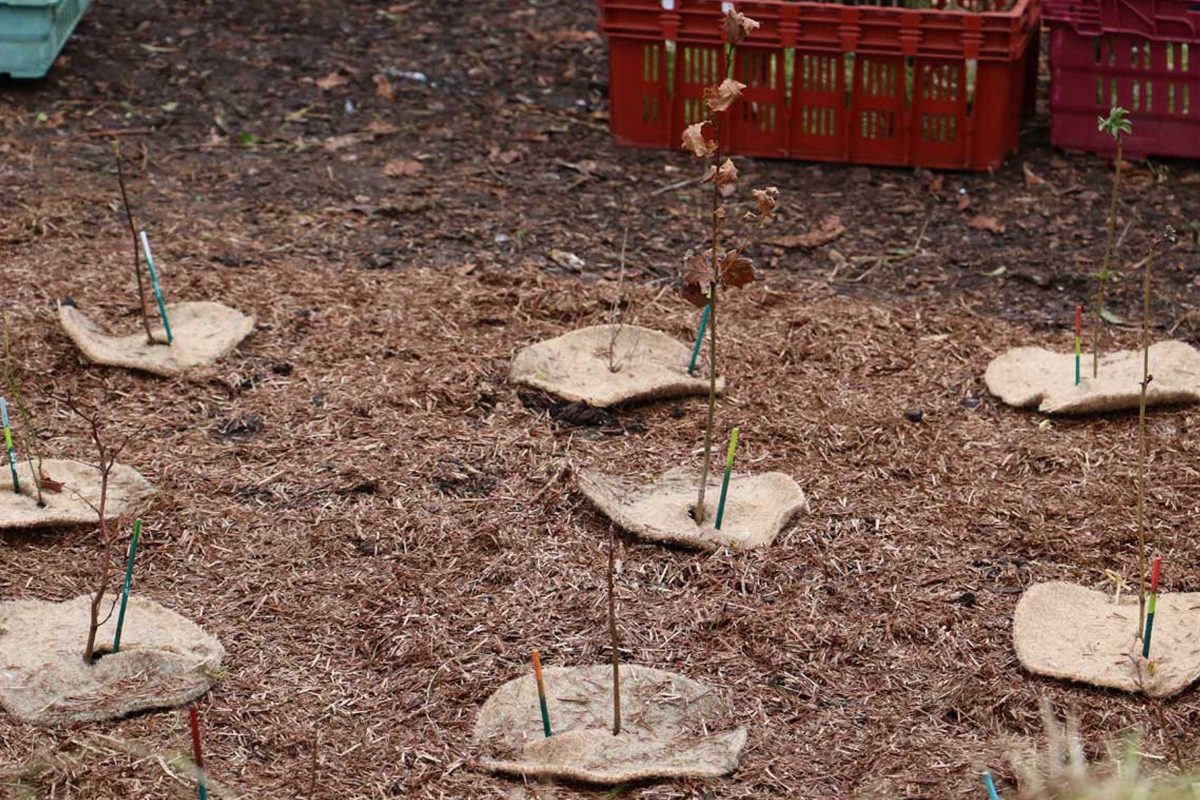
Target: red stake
<point>1154,572</point>
<point>194,720</point>
<point>1078,320</point>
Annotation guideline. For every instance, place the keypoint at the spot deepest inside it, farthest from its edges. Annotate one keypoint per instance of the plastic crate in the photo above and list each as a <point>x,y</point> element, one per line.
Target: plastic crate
<point>1138,54</point>
<point>830,82</point>
<point>33,32</point>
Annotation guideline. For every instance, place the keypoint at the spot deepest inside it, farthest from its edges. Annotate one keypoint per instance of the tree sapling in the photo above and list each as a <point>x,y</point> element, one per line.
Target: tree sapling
<point>137,265</point>
<point>29,440</point>
<point>109,530</point>
<point>708,272</point>
<point>1116,124</point>
<point>1169,236</point>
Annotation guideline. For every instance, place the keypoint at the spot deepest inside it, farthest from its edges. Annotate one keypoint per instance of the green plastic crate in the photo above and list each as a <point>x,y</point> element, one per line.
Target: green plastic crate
<point>33,32</point>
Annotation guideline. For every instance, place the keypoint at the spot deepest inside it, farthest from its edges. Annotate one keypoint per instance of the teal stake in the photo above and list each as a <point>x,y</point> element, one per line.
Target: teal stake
<point>733,441</point>
<point>8,445</point>
<point>137,530</point>
<point>699,339</point>
<point>158,295</point>
<point>990,785</point>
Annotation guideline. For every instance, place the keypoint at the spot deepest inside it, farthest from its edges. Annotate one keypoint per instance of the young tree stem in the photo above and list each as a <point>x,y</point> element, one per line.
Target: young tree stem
<point>137,263</point>
<point>1141,492</point>
<point>612,632</point>
<point>1102,278</point>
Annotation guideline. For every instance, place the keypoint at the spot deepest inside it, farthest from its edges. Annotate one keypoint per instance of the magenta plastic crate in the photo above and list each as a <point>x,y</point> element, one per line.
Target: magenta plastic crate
<point>1142,55</point>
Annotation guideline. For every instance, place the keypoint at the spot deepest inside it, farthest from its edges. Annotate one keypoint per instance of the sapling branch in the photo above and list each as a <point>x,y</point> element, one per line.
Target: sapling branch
<point>28,436</point>
<point>615,315</point>
<point>137,263</point>
<point>1141,487</point>
<point>614,642</point>
<point>1115,124</point>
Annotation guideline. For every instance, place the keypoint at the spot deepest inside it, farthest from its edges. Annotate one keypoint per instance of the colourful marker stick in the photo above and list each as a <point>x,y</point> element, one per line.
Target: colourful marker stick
<point>194,720</point>
<point>990,785</point>
<point>699,340</point>
<point>158,295</point>
<point>537,674</point>
<point>1154,573</point>
<point>733,441</point>
<point>1078,340</point>
<point>8,445</point>
<point>137,532</point>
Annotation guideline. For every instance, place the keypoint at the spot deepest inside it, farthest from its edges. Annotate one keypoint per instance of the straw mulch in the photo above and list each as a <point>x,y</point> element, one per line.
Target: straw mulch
<point>378,528</point>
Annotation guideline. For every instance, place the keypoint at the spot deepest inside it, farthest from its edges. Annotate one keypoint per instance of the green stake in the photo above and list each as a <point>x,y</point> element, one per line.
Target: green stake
<point>1153,604</point>
<point>733,440</point>
<point>158,295</point>
<point>137,530</point>
<point>541,689</point>
<point>699,339</point>
<point>8,445</point>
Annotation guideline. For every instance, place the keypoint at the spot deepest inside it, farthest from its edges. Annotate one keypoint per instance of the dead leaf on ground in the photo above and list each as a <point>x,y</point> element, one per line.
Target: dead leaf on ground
<point>964,202</point>
<point>566,260</point>
<point>402,168</point>
<point>982,222</point>
<point>1032,178</point>
<point>332,81</point>
<point>49,484</point>
<point>384,88</point>
<point>829,229</point>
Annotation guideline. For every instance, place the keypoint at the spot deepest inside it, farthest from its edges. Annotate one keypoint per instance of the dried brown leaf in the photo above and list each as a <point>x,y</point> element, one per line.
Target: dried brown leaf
<point>384,88</point>
<point>332,81</point>
<point>736,270</point>
<point>402,168</point>
<point>829,229</point>
<point>738,26</point>
<point>767,200</point>
<point>695,141</point>
<point>720,98</point>
<point>982,222</point>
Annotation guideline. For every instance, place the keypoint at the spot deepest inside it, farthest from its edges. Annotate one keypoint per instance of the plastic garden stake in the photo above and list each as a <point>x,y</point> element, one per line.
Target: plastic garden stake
<point>1079,340</point>
<point>1154,573</point>
<point>194,721</point>
<point>541,687</point>
<point>158,295</point>
<point>699,340</point>
<point>137,532</point>
<point>990,785</point>
<point>733,443</point>
<point>8,445</point>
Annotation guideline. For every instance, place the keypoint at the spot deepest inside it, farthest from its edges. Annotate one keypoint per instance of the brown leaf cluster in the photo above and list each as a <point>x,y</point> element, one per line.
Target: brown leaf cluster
<point>738,26</point>
<point>734,271</point>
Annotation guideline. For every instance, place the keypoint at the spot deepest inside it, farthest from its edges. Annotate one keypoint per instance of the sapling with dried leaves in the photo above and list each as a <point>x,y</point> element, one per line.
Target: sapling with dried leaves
<point>1116,124</point>
<point>719,267</point>
<point>109,530</point>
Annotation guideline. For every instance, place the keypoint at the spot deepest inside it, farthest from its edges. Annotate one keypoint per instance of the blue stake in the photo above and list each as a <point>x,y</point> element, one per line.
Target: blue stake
<point>699,339</point>
<point>137,530</point>
<point>8,444</point>
<point>158,295</point>
<point>990,785</point>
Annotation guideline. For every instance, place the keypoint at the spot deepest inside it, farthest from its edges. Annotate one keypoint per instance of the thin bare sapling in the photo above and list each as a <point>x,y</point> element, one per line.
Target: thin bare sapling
<point>107,455</point>
<point>137,261</point>
<point>27,436</point>
<point>1169,238</point>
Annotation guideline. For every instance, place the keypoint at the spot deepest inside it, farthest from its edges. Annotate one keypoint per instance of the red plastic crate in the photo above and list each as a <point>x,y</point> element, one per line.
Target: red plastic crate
<point>1137,54</point>
<point>830,82</point>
